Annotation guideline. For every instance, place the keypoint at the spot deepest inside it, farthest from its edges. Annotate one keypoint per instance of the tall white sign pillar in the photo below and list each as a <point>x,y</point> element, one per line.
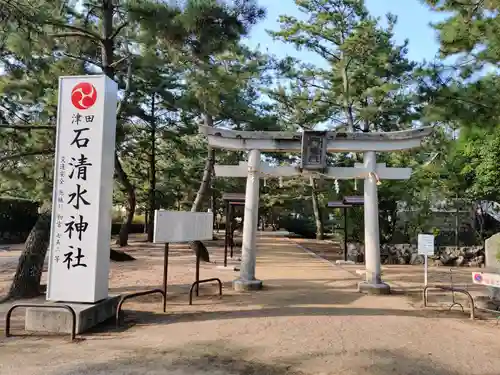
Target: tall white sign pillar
<point>247,280</point>
<point>373,282</point>
<point>83,190</point>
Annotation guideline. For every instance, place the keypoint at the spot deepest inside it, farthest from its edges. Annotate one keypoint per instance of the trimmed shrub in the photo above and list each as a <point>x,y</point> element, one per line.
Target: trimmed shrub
<point>302,227</point>
<point>17,218</point>
<point>134,228</point>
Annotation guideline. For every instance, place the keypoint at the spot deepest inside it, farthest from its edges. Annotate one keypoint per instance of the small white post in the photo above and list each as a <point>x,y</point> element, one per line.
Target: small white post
<point>425,269</point>
<point>247,279</point>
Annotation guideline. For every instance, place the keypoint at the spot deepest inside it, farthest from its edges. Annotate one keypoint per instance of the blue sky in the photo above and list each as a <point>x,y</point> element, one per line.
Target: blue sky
<point>413,24</point>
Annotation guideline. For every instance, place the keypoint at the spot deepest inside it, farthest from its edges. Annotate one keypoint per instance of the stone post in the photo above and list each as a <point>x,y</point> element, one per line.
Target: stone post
<point>373,283</point>
<point>247,280</point>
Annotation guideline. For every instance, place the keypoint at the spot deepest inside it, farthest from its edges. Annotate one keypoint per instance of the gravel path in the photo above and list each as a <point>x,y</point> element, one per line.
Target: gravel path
<point>309,319</point>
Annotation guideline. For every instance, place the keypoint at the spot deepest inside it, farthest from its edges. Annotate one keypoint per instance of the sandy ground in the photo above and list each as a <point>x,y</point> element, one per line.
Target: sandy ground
<point>309,319</point>
<point>402,278</point>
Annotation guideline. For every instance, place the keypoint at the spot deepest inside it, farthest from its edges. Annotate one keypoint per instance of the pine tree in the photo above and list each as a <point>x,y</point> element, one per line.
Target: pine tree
<point>98,35</point>
<point>363,84</point>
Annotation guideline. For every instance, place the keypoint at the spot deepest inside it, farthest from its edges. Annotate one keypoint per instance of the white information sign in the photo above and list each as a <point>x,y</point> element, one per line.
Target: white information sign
<point>83,189</point>
<point>486,279</point>
<point>181,226</point>
<point>425,248</point>
<point>426,244</point>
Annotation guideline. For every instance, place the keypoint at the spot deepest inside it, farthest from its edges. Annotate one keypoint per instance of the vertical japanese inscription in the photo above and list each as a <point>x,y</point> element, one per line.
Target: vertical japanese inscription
<point>60,202</point>
<point>76,224</point>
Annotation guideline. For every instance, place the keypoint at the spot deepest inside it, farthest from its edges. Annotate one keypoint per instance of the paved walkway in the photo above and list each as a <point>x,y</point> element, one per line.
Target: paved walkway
<point>309,319</point>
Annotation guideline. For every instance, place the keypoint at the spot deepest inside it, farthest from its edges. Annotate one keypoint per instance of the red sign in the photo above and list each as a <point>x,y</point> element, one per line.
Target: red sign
<point>83,95</point>
<point>486,278</point>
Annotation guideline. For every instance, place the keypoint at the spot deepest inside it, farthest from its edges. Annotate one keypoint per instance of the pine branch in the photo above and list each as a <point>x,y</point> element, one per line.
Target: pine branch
<point>117,62</point>
<point>71,34</point>
<point>118,29</point>
<point>86,33</point>
<point>82,59</point>
<point>23,154</point>
<point>27,127</point>
<point>128,83</point>
<point>10,112</point>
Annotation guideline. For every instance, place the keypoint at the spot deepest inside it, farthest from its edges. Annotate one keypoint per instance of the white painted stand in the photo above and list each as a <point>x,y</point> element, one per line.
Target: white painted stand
<point>247,279</point>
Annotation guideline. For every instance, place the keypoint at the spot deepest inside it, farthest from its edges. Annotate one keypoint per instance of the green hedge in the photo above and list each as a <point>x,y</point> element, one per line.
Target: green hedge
<point>17,218</point>
<point>302,227</point>
<point>134,228</point>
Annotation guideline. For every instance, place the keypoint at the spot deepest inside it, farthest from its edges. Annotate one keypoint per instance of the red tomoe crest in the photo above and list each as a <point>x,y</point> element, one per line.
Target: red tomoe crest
<point>83,95</point>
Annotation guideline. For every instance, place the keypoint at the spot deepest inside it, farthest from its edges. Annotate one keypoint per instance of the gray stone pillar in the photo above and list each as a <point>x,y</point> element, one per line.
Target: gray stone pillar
<point>373,283</point>
<point>247,280</point>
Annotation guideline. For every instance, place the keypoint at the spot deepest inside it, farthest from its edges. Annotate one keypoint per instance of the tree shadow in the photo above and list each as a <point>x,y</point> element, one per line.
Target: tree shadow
<point>311,296</point>
<point>151,318</point>
<point>218,358</point>
<point>173,291</point>
<point>202,358</point>
<point>398,362</point>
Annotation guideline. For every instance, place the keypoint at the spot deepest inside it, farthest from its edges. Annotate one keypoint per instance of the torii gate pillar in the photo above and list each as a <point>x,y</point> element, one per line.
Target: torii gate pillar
<point>373,283</point>
<point>247,280</point>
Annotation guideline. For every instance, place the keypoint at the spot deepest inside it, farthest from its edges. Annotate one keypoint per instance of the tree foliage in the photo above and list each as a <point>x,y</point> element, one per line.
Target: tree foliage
<point>182,64</point>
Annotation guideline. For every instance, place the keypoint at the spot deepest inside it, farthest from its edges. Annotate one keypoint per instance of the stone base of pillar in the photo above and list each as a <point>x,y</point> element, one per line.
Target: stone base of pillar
<point>376,289</point>
<point>241,285</point>
<point>229,268</point>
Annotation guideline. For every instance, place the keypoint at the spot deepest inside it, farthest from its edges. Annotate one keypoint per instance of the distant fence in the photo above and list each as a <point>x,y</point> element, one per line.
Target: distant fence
<point>444,238</point>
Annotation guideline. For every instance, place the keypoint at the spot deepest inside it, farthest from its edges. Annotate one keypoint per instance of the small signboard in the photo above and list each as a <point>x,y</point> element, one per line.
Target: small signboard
<point>486,279</point>
<point>314,144</point>
<point>83,189</point>
<point>425,248</point>
<point>426,244</point>
<point>182,226</point>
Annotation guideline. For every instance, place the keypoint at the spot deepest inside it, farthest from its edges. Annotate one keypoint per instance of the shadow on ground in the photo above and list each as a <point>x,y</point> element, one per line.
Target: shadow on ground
<point>147,317</point>
<point>201,359</point>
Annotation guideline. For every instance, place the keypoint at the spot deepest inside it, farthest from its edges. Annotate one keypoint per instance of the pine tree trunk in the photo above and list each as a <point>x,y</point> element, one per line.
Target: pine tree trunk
<point>107,60</point>
<point>130,191</point>
<point>345,95</point>
<point>317,211</point>
<point>207,173</point>
<point>213,202</point>
<point>205,181</point>
<point>26,283</point>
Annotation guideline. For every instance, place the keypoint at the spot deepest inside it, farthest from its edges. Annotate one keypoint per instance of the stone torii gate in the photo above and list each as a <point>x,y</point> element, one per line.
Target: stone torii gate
<point>314,147</point>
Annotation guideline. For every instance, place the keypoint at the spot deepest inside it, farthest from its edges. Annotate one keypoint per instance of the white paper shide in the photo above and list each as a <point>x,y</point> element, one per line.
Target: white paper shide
<point>83,189</point>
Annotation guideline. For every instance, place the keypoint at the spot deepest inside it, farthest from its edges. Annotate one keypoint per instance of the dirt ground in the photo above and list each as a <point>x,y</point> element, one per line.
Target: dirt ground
<point>309,319</point>
<point>400,277</point>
